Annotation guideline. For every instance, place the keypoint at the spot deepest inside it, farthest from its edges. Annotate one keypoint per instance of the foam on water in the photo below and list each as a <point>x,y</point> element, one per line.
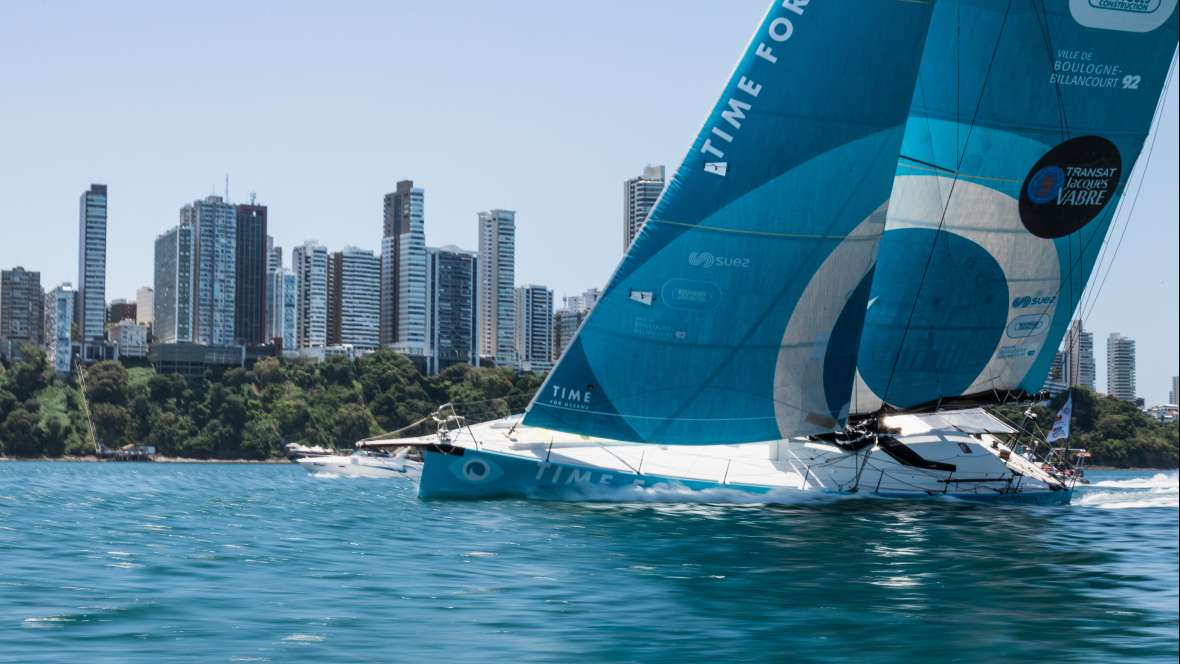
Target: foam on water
<point>1159,490</point>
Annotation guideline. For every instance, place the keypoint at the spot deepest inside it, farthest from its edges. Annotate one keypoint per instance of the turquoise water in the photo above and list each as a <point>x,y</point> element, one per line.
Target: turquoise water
<point>200,563</point>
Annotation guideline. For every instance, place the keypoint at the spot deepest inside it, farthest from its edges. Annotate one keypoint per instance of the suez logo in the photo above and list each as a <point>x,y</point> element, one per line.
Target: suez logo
<point>1069,186</point>
<point>707,260</point>
<point>1027,301</point>
<point>725,131</point>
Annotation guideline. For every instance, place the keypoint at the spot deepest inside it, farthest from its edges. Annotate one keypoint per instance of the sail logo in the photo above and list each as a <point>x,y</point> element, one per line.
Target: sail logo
<point>1029,325</point>
<point>734,110</point>
<point>1026,301</point>
<point>706,260</point>
<point>572,398</point>
<point>1122,15</point>
<point>1069,186</point>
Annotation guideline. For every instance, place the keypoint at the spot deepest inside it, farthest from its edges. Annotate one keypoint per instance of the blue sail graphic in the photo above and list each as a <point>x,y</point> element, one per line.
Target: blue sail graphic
<point>1027,120</point>
<point>736,312</point>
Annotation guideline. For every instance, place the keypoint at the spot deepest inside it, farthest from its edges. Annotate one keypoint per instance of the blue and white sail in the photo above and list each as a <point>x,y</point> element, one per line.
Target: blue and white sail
<point>1027,120</point>
<point>736,314</point>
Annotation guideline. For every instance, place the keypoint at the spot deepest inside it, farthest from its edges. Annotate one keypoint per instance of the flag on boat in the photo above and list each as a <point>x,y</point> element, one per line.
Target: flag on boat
<point>1060,430</point>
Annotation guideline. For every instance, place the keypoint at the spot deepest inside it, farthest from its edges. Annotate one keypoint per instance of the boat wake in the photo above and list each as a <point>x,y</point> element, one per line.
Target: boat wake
<point>1160,490</point>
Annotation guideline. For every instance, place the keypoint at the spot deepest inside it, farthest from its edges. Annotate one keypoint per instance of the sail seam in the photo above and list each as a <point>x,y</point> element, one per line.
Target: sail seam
<point>771,234</point>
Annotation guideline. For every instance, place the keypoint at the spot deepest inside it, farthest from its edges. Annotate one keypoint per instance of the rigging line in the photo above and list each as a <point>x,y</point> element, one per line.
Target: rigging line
<point>1135,199</point>
<point>950,196</point>
<point>1043,24</point>
<point>1089,298</point>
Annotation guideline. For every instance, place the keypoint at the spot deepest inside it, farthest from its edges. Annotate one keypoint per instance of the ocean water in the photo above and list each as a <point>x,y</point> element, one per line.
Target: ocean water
<point>231,563</point>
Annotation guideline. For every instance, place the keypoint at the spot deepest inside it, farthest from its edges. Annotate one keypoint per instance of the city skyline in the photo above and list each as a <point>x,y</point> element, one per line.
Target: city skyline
<point>323,146</point>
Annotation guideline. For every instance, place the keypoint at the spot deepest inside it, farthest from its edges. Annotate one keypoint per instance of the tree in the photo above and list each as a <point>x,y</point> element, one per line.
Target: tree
<point>110,424</point>
<point>18,433</point>
<point>106,382</point>
<point>268,371</point>
<point>261,438</point>
<point>353,422</point>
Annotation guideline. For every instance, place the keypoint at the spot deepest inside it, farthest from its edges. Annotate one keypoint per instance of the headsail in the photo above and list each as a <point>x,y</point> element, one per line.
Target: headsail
<point>1027,120</point>
<point>736,313</point>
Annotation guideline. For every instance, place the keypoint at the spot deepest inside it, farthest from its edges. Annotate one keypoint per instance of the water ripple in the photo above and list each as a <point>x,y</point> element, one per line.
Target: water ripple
<point>195,563</point>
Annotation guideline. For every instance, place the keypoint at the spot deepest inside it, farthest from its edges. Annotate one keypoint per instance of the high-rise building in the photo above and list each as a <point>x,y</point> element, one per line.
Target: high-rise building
<point>274,255</point>
<point>354,298</point>
<point>59,324</point>
<point>131,338</point>
<point>497,287</point>
<point>310,263</point>
<point>215,261</point>
<point>282,289</point>
<point>22,311</point>
<point>403,269</point>
<point>250,285</point>
<point>452,289</point>
<point>569,317</point>
<point>120,310</point>
<point>92,263</point>
<point>534,328</point>
<point>175,287</point>
<point>145,305</point>
<point>1175,390</point>
<point>1120,367</point>
<point>1080,369</point>
<point>639,197</point>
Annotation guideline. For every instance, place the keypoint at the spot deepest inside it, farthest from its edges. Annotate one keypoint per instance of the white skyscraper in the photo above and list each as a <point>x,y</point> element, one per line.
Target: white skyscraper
<point>639,197</point>
<point>534,328</point>
<point>403,270</point>
<point>175,287</point>
<point>497,292</point>
<point>215,225</point>
<point>59,321</point>
<point>282,291</point>
<point>1120,367</point>
<point>1078,363</point>
<point>569,317</point>
<point>310,263</point>
<point>91,311</point>
<point>145,305</point>
<point>354,298</point>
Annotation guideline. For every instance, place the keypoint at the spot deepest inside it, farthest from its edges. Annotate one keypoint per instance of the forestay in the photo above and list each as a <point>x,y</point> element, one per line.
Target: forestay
<point>1027,120</point>
<point>736,313</point>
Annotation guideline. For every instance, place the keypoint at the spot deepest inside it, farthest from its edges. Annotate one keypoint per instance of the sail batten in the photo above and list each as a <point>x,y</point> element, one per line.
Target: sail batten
<point>735,314</point>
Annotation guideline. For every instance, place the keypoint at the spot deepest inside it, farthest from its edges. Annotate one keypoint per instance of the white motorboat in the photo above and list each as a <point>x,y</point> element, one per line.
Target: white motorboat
<point>364,463</point>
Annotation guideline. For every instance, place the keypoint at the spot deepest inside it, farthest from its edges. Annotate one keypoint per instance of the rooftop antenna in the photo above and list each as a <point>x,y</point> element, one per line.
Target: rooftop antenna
<point>252,196</point>
<point>227,187</point>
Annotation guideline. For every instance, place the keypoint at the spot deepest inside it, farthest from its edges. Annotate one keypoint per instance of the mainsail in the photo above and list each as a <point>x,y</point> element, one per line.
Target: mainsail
<point>1027,120</point>
<point>736,313</point>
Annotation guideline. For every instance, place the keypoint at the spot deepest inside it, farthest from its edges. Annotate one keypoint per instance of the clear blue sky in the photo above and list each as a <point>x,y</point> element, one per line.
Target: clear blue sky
<point>539,106</point>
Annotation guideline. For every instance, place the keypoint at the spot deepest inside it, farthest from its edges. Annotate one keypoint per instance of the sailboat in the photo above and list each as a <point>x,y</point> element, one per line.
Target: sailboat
<point>883,228</point>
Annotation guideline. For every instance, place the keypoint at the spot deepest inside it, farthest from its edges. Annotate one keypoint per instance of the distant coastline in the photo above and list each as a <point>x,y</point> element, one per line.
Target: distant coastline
<point>94,459</point>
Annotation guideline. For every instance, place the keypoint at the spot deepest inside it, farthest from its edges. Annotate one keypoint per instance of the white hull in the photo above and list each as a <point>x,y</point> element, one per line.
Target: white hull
<point>362,466</point>
<point>504,458</point>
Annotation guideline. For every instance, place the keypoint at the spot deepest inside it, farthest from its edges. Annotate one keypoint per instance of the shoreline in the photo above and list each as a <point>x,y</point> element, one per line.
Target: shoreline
<point>158,459</point>
<point>284,460</point>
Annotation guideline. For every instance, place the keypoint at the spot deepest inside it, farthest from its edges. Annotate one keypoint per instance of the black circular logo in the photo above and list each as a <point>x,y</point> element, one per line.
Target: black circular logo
<point>1069,186</point>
